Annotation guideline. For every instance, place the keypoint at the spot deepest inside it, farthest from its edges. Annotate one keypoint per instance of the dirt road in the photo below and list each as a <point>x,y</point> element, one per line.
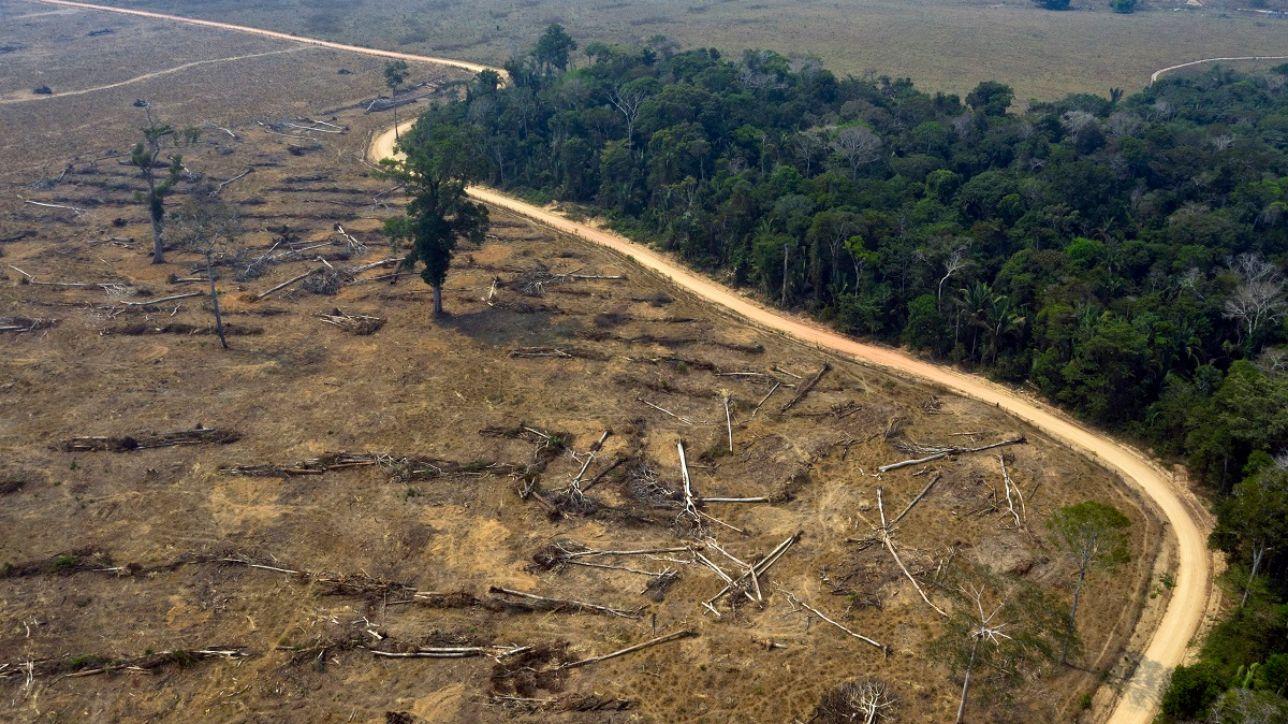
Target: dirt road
<point>146,76</point>
<point>1167,647</point>
<point>1153,78</point>
<point>394,55</point>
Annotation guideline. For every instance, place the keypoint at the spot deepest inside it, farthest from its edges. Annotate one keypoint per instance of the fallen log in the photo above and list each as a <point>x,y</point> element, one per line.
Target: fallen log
<point>548,603</point>
<point>400,468</point>
<point>631,649</point>
<point>25,324</point>
<point>171,298</point>
<point>135,330</point>
<point>795,601</point>
<point>951,451</point>
<point>143,441</point>
<point>273,290</point>
<point>358,324</point>
<point>805,389</point>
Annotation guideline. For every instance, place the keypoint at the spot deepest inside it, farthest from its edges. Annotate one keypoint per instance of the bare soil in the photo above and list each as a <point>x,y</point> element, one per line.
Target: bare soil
<point>116,555</point>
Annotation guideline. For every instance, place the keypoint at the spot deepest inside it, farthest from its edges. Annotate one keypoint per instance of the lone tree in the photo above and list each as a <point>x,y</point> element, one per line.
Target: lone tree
<point>438,162</point>
<point>146,158</point>
<point>395,76</point>
<point>1091,533</point>
<point>210,227</point>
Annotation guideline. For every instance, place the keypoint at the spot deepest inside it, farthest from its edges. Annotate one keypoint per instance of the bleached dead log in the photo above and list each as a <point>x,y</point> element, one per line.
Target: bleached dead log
<point>728,418</point>
<point>451,652</point>
<point>231,135</point>
<point>273,290</point>
<point>631,649</point>
<point>805,389</point>
<point>760,567</point>
<point>690,507</point>
<point>769,394</point>
<point>355,246</point>
<point>750,569</point>
<point>889,544</point>
<point>951,451</point>
<point>162,300</point>
<point>219,188</point>
<point>681,418</point>
<point>798,602</point>
<point>916,500</point>
<point>73,209</point>
<point>1020,519</point>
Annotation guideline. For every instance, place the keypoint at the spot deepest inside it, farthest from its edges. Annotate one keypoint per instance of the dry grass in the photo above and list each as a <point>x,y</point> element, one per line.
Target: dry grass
<point>948,45</point>
<point>428,389</point>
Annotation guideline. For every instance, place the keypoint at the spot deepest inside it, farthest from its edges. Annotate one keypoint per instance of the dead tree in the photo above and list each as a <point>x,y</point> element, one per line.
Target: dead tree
<point>984,631</point>
<point>805,389</point>
<point>884,534</point>
<point>941,452</point>
<point>210,227</point>
<point>802,605</point>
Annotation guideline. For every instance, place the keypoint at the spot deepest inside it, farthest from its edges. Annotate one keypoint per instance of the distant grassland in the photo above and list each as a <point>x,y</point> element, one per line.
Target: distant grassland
<point>947,45</point>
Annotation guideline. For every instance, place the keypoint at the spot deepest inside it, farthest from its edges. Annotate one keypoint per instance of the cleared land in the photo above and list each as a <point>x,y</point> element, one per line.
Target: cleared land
<point>948,45</point>
<point>295,388</point>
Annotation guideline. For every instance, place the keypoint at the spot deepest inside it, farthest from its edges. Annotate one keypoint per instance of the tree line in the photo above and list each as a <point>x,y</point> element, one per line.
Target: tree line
<point>1122,255</point>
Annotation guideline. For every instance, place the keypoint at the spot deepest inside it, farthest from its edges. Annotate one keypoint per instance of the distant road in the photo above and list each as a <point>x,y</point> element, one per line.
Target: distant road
<point>1159,73</point>
<point>146,76</point>
<point>1170,641</point>
<point>451,62</point>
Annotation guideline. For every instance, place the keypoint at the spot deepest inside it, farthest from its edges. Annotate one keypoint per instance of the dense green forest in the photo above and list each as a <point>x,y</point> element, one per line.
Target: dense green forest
<point>1122,255</point>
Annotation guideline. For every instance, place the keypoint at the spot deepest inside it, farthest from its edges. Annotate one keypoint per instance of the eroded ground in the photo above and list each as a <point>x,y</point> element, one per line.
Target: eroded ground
<point>462,434</point>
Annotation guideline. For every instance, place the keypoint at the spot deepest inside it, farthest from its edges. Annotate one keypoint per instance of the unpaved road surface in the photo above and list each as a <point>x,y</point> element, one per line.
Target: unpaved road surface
<point>1153,78</point>
<point>146,76</point>
<point>1169,644</point>
<point>1167,649</point>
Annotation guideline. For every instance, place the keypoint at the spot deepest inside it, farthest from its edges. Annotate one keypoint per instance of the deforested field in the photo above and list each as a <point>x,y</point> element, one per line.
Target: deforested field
<point>942,45</point>
<point>360,512</point>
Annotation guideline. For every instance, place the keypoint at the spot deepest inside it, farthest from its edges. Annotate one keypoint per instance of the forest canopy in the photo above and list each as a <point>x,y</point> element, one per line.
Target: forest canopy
<point>1123,255</point>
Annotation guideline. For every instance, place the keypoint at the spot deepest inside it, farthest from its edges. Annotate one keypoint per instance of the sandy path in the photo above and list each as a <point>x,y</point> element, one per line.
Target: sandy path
<point>1167,647</point>
<point>146,76</point>
<point>1159,73</point>
<point>451,62</point>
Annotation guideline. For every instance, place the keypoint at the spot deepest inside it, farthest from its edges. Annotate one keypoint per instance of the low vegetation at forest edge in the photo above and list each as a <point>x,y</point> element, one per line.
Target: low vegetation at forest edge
<point>1124,255</point>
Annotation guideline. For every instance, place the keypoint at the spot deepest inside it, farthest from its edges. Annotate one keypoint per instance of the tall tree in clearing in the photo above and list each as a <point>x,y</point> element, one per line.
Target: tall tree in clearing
<point>145,157</point>
<point>1091,533</point>
<point>210,227</point>
<point>438,162</point>
<point>395,76</point>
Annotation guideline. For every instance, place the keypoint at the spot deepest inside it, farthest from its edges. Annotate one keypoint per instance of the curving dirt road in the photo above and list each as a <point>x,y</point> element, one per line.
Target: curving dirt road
<point>1153,78</point>
<point>1167,647</point>
<point>451,62</point>
<point>1170,642</point>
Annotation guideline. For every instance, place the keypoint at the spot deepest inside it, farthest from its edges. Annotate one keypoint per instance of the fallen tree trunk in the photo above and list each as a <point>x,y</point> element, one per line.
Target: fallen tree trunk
<point>1018,440</point>
<point>805,389</point>
<point>198,436</point>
